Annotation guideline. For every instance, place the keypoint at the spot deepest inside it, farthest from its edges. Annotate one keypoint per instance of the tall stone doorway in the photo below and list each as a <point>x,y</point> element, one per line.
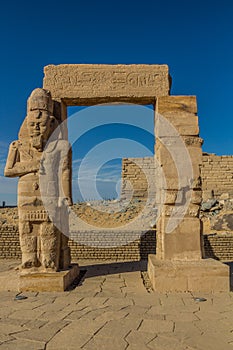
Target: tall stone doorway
<point>179,245</point>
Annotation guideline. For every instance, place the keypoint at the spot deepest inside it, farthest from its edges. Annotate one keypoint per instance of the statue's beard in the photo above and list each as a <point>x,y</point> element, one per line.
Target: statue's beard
<point>37,142</point>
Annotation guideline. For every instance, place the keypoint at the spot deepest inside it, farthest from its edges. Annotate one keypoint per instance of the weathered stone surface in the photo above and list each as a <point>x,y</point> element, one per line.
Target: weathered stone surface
<point>191,210</point>
<point>173,196</point>
<point>46,282</point>
<point>88,84</point>
<point>183,242</point>
<point>105,343</point>
<point>175,119</point>
<point>205,275</point>
<point>185,123</point>
<point>43,334</point>
<point>177,103</point>
<point>22,344</point>
<point>172,318</point>
<point>158,326</point>
<point>139,338</point>
<point>166,343</point>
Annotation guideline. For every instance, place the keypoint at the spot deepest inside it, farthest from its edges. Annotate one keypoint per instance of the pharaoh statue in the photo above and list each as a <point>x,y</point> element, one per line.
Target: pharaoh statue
<point>44,187</point>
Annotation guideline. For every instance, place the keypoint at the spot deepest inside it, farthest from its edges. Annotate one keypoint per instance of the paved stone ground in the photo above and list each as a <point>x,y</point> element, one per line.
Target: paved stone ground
<point>111,309</point>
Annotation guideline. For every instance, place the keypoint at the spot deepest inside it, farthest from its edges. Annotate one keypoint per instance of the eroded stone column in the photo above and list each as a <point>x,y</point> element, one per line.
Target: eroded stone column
<point>177,139</point>
<point>178,263</point>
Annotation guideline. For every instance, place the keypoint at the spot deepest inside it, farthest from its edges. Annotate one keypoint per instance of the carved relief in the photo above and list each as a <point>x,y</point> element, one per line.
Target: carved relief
<point>115,80</point>
<point>193,141</point>
<point>35,215</point>
<point>92,81</point>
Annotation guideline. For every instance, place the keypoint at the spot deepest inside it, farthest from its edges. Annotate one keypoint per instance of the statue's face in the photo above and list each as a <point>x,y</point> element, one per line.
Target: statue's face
<point>38,123</point>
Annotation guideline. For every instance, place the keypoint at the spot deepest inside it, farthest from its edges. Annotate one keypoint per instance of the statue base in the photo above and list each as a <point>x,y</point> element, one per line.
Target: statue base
<point>205,275</point>
<point>48,281</point>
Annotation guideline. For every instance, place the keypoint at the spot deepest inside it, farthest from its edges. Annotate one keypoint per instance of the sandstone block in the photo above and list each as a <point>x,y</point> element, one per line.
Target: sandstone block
<point>196,197</point>
<point>180,237</point>
<point>180,115</point>
<point>176,103</point>
<point>184,123</point>
<point>48,282</point>
<point>206,275</point>
<point>88,84</point>
<point>191,210</point>
<point>173,183</point>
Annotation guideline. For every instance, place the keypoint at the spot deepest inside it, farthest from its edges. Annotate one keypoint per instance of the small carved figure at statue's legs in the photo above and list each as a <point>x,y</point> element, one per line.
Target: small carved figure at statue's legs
<point>65,258</point>
<point>28,243</point>
<point>65,253</point>
<point>50,246</point>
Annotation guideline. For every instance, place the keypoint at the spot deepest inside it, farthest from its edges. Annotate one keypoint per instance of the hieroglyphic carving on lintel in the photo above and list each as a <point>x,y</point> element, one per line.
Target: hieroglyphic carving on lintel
<point>113,80</point>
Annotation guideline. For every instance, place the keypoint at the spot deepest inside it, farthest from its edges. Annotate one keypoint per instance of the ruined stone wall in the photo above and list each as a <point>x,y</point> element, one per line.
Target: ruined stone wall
<point>100,247</point>
<point>217,175</point>
<point>135,180</point>
<point>219,247</point>
<point>216,246</point>
<point>9,242</point>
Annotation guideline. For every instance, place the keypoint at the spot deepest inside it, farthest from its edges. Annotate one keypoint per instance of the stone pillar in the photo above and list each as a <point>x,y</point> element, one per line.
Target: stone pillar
<point>178,263</point>
<point>183,186</point>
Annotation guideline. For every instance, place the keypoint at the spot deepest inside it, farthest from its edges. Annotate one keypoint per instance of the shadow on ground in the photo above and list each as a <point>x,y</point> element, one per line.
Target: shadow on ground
<point>97,269</point>
<point>113,268</point>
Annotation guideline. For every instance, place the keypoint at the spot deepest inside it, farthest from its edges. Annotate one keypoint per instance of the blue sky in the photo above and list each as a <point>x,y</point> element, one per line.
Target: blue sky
<point>193,38</point>
<point>101,136</point>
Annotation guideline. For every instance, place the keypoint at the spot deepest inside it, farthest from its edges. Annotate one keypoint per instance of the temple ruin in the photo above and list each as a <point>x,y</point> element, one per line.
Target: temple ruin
<point>179,263</point>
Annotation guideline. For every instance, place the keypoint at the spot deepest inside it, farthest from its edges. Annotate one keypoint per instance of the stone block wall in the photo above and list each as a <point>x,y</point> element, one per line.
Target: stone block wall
<point>217,175</point>
<point>89,245</point>
<point>9,242</point>
<point>101,245</point>
<point>219,247</point>
<point>136,174</point>
<point>216,246</point>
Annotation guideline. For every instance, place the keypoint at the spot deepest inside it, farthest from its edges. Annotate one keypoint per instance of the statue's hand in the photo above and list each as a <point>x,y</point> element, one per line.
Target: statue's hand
<point>34,165</point>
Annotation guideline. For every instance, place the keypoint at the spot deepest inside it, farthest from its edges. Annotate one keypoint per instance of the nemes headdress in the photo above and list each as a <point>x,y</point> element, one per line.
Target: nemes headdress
<point>40,99</point>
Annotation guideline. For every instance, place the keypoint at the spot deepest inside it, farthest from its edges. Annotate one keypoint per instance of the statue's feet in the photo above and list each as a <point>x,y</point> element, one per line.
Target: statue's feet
<point>28,264</point>
<point>48,264</point>
<point>29,261</point>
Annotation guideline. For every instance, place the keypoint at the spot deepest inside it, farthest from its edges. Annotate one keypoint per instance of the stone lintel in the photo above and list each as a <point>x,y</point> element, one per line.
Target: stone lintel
<point>89,84</point>
<point>48,282</point>
<point>205,275</point>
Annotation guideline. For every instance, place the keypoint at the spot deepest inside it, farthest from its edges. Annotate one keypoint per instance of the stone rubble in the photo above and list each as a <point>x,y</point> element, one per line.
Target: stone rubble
<point>217,215</point>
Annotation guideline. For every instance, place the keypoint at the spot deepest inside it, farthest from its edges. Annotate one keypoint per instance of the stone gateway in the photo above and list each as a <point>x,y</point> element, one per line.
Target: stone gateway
<point>179,264</point>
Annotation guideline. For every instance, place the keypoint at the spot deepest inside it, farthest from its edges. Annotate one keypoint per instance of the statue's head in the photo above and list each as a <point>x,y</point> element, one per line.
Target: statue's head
<point>40,122</point>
